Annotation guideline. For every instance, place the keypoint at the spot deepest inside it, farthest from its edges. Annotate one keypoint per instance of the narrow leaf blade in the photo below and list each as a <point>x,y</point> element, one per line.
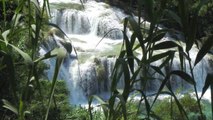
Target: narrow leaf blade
<point>184,76</point>
<point>208,82</point>
<point>9,106</point>
<point>204,50</point>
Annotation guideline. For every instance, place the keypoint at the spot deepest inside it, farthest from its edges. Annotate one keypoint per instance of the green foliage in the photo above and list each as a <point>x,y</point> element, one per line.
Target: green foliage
<point>58,110</point>
<point>21,66</point>
<point>25,95</point>
<point>148,40</point>
<point>207,109</point>
<point>167,109</point>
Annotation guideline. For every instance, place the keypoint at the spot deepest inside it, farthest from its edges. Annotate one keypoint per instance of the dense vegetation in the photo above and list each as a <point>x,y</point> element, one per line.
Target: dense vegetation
<point>21,68</point>
<point>178,16</point>
<point>25,94</point>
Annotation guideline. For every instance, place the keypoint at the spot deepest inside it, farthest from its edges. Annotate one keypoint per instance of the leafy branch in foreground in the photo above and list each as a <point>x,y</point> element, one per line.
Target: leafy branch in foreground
<point>134,70</point>
<point>20,62</point>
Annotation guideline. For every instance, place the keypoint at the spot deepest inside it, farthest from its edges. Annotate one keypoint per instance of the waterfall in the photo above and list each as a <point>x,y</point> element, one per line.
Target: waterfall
<point>96,19</point>
<point>91,73</point>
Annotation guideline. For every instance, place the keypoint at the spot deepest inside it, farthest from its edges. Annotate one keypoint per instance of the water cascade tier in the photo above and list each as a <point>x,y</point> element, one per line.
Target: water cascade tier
<point>89,71</point>
<point>96,19</point>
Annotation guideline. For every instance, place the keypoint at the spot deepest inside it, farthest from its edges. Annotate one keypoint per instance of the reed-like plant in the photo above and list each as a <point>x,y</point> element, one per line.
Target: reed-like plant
<point>20,38</point>
<point>135,70</point>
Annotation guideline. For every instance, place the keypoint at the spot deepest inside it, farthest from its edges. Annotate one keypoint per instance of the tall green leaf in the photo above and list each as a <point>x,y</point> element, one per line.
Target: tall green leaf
<point>21,110</point>
<point>180,107</point>
<point>10,69</point>
<point>149,6</point>
<point>123,105</point>
<point>112,103</point>
<point>204,49</point>
<point>162,85</point>
<point>160,56</point>
<point>36,4</point>
<point>9,106</point>
<point>148,108</point>
<point>50,54</point>
<point>4,11</point>
<point>184,76</point>
<point>157,69</point>
<point>184,14</point>
<point>26,57</point>
<point>103,104</point>
<point>61,54</point>
<point>159,35</point>
<point>208,83</point>
<point>117,72</point>
<point>174,16</point>
<point>181,54</point>
<point>165,45</point>
<point>5,35</point>
<point>193,24</point>
<point>129,52</point>
<point>136,28</point>
<point>127,80</point>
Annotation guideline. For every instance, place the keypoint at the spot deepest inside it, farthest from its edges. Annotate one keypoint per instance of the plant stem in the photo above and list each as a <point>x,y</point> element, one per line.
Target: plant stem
<point>195,88</point>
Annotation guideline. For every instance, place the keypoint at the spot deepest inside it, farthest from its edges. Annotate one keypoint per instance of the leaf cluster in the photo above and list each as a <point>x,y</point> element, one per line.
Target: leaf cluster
<point>134,70</point>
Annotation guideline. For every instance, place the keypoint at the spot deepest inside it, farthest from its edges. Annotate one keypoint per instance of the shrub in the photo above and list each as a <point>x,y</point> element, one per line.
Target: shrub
<point>167,108</point>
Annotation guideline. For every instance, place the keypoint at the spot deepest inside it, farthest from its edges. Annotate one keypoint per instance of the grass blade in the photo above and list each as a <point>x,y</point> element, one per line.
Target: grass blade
<point>208,82</point>
<point>26,57</point>
<point>61,54</point>
<point>157,69</point>
<point>180,107</point>
<point>36,4</point>
<point>159,35</point>
<point>127,81</point>
<point>50,54</point>
<point>184,76</point>
<point>160,56</point>
<point>104,105</point>
<point>112,103</point>
<point>123,105</point>
<point>4,12</point>
<point>174,16</point>
<point>4,35</point>
<point>192,32</point>
<point>148,4</point>
<point>117,72</point>
<point>9,106</point>
<point>181,54</point>
<point>137,31</point>
<point>165,45</point>
<point>129,52</point>
<point>148,108</point>
<point>204,50</point>
<point>163,84</point>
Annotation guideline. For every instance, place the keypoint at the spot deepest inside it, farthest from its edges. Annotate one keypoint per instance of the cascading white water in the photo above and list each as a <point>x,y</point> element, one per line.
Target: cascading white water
<point>97,19</point>
<point>85,28</point>
<point>91,73</point>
